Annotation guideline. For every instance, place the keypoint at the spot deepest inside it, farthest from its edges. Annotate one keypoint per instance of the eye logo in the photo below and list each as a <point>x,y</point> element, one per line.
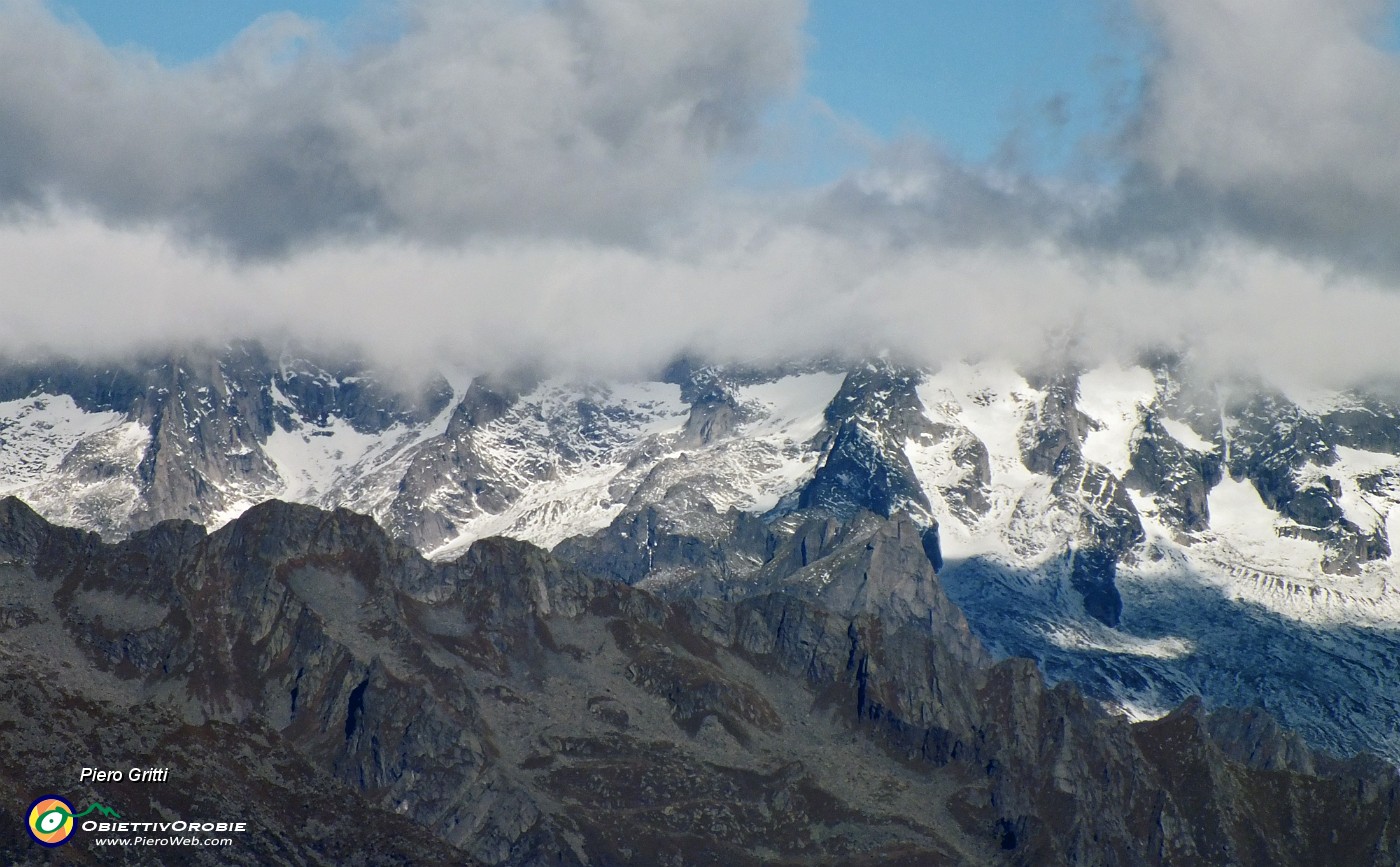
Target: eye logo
<point>51,821</point>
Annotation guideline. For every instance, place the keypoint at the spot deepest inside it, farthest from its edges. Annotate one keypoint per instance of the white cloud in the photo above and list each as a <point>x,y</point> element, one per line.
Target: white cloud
<point>755,290</point>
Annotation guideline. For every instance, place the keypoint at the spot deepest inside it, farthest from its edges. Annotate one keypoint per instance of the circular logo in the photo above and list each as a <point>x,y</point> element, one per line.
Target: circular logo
<point>50,821</point>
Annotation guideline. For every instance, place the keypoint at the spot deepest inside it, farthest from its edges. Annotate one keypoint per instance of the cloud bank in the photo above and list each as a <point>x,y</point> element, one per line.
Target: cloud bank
<point>1275,119</point>
<point>509,183</point>
<point>490,116</point>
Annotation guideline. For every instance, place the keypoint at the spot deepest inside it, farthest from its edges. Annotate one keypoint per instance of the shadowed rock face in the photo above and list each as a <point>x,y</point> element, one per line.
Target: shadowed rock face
<point>864,467</point>
<point>521,710</point>
<point>1180,478</point>
<point>1272,440</point>
<point>1107,523</point>
<point>219,771</point>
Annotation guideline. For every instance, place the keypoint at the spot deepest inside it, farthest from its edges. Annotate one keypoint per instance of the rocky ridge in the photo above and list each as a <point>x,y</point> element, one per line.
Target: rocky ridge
<point>522,710</point>
<point>1135,529</point>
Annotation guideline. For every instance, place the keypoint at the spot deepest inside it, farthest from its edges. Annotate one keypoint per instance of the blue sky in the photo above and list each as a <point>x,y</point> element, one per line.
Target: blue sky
<point>178,31</point>
<point>969,72</point>
<point>986,79</point>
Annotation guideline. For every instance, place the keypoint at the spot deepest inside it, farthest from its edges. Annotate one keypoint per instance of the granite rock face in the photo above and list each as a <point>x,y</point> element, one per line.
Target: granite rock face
<point>1285,451</point>
<point>1180,478</point>
<point>521,710</point>
<point>196,424</point>
<point>1107,524</point>
<point>864,467</point>
<point>1142,530</point>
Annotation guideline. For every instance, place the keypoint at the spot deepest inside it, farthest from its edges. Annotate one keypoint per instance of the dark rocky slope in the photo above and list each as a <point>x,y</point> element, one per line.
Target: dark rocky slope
<point>522,711</point>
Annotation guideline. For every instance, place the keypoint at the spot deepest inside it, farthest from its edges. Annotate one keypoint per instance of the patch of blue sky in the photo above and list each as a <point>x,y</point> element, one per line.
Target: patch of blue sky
<point>178,32</point>
<point>1025,82</point>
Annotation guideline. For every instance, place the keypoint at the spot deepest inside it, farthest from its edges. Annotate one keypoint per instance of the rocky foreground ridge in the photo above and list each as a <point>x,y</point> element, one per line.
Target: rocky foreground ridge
<point>360,704</point>
<point>1142,530</point>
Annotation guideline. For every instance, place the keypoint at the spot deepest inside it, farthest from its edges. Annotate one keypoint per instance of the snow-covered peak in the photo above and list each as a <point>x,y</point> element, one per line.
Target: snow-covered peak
<point>1127,531</point>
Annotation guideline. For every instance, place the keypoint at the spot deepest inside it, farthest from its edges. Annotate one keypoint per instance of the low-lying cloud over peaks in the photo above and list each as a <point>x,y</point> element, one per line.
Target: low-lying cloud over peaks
<point>770,291</point>
<point>543,183</point>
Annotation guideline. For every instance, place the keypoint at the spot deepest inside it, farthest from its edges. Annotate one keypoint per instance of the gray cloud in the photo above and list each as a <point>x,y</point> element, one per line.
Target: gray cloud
<point>914,194</point>
<point>583,117</point>
<point>1275,119</point>
<point>473,192</point>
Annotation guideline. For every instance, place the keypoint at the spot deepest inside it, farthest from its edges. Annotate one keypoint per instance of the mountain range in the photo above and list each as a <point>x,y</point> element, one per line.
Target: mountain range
<point>807,613</point>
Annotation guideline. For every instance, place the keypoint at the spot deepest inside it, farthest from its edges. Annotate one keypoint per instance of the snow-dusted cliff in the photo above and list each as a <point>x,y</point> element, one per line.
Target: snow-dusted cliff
<point>1132,528</point>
